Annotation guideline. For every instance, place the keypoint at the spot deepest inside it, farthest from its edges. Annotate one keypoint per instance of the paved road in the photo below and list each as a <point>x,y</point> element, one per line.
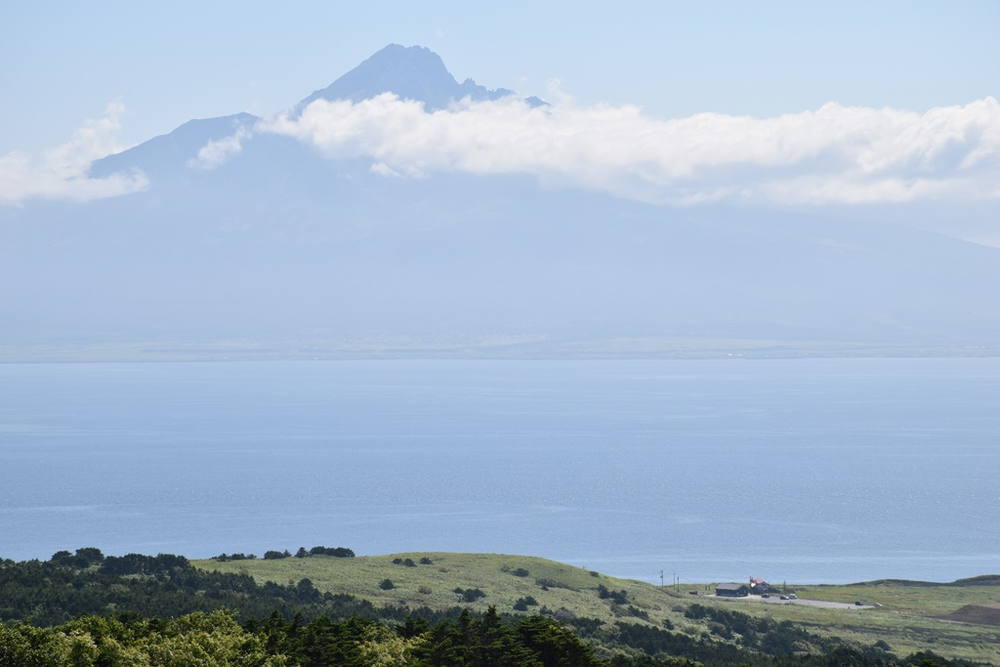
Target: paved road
<point>774,599</point>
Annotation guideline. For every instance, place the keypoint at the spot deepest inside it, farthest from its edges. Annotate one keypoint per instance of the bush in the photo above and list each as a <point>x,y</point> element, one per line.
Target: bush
<point>223,557</point>
<point>520,572</point>
<point>469,594</point>
<point>336,552</point>
<point>618,597</point>
<point>426,561</point>
<point>522,604</point>
<point>386,585</point>
<point>638,613</point>
<point>424,590</point>
<point>276,555</point>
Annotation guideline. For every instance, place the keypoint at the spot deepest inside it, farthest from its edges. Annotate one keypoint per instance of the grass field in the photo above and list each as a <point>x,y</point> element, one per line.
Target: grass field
<point>905,619</point>
<point>553,585</point>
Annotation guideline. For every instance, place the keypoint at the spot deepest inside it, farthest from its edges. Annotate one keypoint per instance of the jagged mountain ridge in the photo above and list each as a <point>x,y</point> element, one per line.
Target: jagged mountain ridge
<point>413,73</point>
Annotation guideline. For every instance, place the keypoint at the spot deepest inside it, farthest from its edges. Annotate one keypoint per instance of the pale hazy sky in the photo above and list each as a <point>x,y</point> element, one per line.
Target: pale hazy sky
<point>64,62</point>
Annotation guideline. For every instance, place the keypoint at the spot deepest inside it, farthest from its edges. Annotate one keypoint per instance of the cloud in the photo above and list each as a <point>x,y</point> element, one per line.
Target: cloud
<point>832,155</point>
<point>216,152</point>
<point>61,172</point>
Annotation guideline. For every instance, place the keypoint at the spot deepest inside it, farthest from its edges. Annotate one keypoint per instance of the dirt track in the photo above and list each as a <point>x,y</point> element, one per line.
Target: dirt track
<point>774,599</point>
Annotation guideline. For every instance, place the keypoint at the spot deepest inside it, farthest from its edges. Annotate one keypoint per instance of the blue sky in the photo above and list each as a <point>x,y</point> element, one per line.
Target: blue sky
<point>168,62</point>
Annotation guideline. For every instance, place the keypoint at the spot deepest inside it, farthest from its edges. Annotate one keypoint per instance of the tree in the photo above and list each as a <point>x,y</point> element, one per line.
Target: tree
<point>89,555</point>
<point>307,591</point>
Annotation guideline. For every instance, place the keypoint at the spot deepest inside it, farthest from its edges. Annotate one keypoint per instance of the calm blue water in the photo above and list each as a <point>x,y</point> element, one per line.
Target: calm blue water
<point>798,470</point>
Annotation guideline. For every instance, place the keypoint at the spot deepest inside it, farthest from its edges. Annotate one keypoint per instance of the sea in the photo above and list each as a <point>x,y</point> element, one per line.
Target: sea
<point>797,470</point>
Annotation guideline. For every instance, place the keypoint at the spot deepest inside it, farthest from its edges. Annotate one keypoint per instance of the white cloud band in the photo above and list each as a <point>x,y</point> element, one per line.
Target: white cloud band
<point>61,172</point>
<point>835,154</point>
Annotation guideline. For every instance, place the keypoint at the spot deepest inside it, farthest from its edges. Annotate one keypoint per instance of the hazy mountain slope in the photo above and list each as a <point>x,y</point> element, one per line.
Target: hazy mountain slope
<point>348,253</point>
<point>168,154</point>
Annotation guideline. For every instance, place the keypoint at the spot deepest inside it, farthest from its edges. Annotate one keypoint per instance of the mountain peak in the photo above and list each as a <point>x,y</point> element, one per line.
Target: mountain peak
<point>411,72</point>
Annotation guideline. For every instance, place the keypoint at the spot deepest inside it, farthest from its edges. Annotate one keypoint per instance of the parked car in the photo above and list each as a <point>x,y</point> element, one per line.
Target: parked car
<point>784,597</point>
<point>858,603</point>
<point>793,596</point>
<point>765,595</point>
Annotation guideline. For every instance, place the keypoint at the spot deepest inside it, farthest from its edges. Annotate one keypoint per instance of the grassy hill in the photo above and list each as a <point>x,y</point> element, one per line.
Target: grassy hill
<point>504,580</point>
<point>906,620</point>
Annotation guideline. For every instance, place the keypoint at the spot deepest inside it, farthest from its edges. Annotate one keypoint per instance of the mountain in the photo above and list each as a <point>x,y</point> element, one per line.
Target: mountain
<point>164,155</point>
<point>412,73</point>
<point>280,248</point>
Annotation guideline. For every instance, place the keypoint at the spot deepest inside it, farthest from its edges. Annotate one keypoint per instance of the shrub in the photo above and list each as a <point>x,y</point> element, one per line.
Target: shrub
<point>638,613</point>
<point>426,561</point>
<point>618,597</point>
<point>276,555</point>
<point>337,552</point>
<point>563,614</point>
<point>522,604</point>
<point>469,594</point>
<point>424,590</point>
<point>386,585</point>
<point>223,557</point>
<point>520,572</point>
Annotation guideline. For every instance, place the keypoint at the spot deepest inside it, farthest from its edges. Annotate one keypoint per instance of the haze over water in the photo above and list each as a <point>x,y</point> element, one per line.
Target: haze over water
<point>799,470</point>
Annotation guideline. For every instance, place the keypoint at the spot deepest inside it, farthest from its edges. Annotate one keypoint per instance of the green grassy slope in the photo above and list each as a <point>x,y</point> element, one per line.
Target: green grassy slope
<point>905,619</point>
<point>569,588</point>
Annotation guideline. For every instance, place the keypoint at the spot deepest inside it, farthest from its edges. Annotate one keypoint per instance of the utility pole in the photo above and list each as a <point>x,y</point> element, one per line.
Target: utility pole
<point>661,578</point>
